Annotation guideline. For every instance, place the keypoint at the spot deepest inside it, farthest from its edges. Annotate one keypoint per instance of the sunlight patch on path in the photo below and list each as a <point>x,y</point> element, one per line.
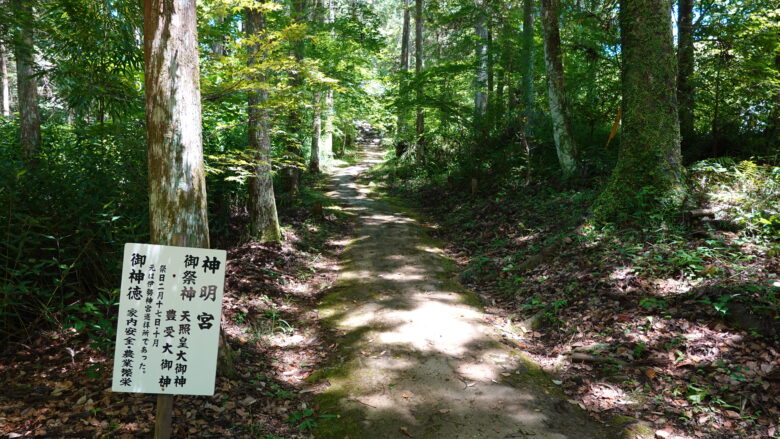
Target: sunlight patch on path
<point>415,357</point>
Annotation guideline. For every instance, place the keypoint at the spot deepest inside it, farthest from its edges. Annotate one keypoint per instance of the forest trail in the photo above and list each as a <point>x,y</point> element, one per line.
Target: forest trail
<point>415,357</point>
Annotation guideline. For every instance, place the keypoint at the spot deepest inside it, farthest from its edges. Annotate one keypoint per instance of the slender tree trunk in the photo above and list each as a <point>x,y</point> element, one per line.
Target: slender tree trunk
<point>27,84</point>
<point>418,66</point>
<point>491,74</point>
<point>527,87</point>
<point>327,138</point>
<point>314,160</point>
<point>292,173</point>
<point>685,66</point>
<point>481,53</point>
<point>401,145</point>
<point>774,128</point>
<point>263,219</point>
<point>564,141</point>
<point>218,46</point>
<point>648,175</point>
<point>6,90</point>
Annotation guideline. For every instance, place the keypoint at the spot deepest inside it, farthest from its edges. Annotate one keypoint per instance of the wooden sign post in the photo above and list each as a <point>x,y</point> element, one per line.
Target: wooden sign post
<point>169,321</point>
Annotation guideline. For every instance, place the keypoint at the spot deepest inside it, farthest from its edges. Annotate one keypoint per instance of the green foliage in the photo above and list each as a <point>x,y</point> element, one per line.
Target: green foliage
<point>64,222</point>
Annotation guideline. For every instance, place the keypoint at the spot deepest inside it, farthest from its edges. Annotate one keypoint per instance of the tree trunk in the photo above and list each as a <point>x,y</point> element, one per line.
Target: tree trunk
<point>314,160</point>
<point>400,145</point>
<point>559,112</point>
<point>685,66</point>
<point>491,74</point>
<point>6,90</point>
<point>326,148</point>
<point>774,127</point>
<point>292,173</point>
<point>418,66</point>
<point>218,46</point>
<point>648,176</point>
<point>527,87</point>
<point>481,53</point>
<point>263,219</point>
<point>27,84</point>
<point>177,186</point>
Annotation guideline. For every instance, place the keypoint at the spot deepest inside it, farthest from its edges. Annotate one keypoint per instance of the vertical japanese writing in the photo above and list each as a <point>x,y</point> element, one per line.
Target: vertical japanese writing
<point>169,319</point>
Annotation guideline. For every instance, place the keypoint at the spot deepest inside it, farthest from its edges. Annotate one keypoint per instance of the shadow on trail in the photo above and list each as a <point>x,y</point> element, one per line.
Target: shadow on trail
<point>415,357</point>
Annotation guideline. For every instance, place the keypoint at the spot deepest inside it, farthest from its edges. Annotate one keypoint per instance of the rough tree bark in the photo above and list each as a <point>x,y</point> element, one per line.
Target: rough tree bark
<point>648,175</point>
<point>401,145</point>
<point>292,173</point>
<point>685,66</point>
<point>314,159</point>
<point>326,148</point>
<point>481,53</point>
<point>527,61</point>
<point>418,66</point>
<point>177,186</point>
<point>559,111</point>
<point>5,94</point>
<point>263,219</point>
<point>27,84</point>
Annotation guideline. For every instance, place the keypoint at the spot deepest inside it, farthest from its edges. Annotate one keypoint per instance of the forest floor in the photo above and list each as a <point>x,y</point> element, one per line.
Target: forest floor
<point>58,383</point>
<point>678,327</point>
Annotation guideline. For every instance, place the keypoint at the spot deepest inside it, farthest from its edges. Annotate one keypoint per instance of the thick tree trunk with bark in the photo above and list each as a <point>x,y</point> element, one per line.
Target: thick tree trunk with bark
<point>27,84</point>
<point>559,111</point>
<point>314,159</point>
<point>177,186</point>
<point>401,145</point>
<point>418,66</point>
<point>527,62</point>
<point>648,175</point>
<point>481,53</point>
<point>685,66</point>
<point>5,93</point>
<point>263,219</point>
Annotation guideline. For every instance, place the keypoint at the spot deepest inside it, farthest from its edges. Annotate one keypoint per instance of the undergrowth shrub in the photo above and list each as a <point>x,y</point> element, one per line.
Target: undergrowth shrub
<point>63,223</point>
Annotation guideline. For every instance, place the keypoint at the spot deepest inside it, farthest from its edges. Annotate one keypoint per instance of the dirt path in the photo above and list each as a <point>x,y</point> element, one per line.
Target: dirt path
<point>416,358</point>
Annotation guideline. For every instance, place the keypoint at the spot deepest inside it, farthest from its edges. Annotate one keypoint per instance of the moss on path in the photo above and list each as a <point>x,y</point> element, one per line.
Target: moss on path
<point>415,357</point>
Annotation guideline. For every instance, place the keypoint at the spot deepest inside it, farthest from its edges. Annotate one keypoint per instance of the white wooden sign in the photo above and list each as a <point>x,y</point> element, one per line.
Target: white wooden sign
<point>169,319</point>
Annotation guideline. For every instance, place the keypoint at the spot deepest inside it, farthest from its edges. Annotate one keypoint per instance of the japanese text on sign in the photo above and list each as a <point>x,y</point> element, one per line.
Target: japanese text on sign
<point>168,326</point>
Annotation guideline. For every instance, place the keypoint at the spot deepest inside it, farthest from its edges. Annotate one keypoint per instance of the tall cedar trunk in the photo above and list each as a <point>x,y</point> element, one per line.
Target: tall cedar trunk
<point>263,220</point>
<point>648,175</point>
<point>774,128</point>
<point>314,159</point>
<point>218,46</point>
<point>559,112</point>
<point>491,78</point>
<point>481,54</point>
<point>685,65</point>
<point>527,87</point>
<point>418,66</point>
<point>292,173</point>
<point>27,84</point>
<point>326,148</point>
<point>5,94</point>
<point>177,186</point>
<point>400,145</point>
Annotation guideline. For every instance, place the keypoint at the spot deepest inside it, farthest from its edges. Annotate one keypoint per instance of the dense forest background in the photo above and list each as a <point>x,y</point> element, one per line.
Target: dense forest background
<point>650,129</point>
